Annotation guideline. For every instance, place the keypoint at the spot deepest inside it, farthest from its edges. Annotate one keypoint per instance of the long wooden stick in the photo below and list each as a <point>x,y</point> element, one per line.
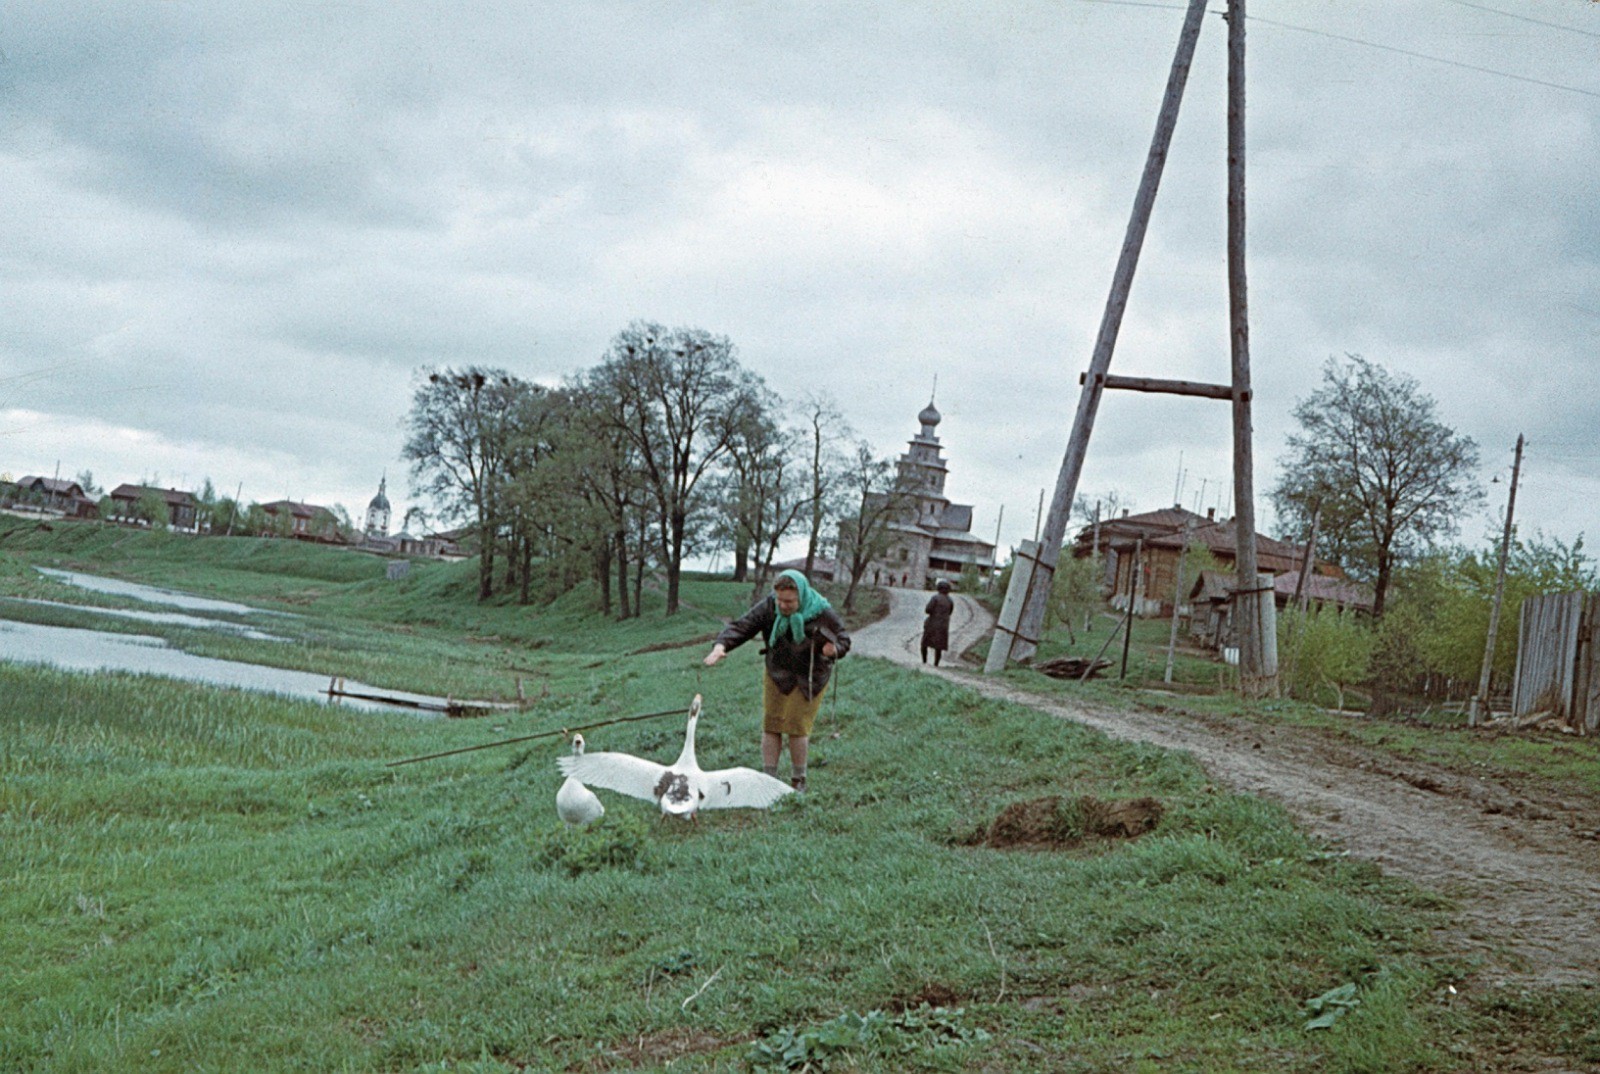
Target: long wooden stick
<point>563,731</point>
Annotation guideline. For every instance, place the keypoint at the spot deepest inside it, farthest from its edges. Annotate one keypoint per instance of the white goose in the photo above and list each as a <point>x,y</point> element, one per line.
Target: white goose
<point>577,804</point>
<point>682,788</point>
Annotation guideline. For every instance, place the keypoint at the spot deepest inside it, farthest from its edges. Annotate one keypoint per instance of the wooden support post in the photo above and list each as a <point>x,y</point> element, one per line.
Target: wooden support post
<point>1037,593</point>
<point>1177,600</point>
<point>1011,610</point>
<point>1133,597</point>
<point>1302,587</point>
<point>1258,663</point>
<point>1480,700</point>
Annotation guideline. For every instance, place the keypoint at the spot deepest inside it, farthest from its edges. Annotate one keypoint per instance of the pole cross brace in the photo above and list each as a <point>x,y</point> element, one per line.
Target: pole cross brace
<point>1166,387</point>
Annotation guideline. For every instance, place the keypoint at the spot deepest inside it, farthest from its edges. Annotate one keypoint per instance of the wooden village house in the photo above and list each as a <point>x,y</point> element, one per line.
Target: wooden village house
<point>57,495</point>
<point>1211,600</point>
<point>1160,539</point>
<point>303,521</point>
<point>182,508</point>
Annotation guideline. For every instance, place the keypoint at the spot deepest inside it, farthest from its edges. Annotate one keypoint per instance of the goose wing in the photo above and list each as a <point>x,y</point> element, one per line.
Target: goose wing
<point>620,772</point>
<point>741,788</point>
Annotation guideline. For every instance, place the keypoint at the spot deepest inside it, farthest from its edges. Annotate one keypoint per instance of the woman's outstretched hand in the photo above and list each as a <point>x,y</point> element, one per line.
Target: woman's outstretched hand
<point>715,655</point>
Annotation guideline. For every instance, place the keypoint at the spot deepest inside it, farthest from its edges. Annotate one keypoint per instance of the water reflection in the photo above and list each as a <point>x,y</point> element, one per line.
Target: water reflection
<point>95,650</point>
<point>151,594</point>
<point>170,618</point>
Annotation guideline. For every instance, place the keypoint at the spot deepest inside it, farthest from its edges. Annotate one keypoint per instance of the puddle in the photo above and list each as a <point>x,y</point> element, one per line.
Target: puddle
<point>152,594</point>
<point>95,650</point>
<point>169,618</point>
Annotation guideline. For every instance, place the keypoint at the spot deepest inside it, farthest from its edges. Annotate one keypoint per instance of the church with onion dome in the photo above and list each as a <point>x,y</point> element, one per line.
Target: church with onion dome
<point>932,538</point>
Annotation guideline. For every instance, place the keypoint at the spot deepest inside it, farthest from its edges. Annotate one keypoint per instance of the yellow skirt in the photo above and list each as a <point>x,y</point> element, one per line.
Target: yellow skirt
<point>788,714</point>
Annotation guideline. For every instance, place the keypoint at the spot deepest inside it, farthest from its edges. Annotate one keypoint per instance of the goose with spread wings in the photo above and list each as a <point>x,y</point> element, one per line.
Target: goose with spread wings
<point>682,788</point>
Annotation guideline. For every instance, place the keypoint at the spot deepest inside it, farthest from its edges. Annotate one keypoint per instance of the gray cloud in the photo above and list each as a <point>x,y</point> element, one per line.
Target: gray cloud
<point>237,230</point>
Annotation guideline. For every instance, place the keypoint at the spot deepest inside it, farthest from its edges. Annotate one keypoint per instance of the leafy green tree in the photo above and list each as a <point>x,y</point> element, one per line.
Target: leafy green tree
<point>456,445</point>
<point>1462,587</point>
<point>1074,591</point>
<point>1388,477</point>
<point>151,509</point>
<point>1323,648</point>
<point>682,398</point>
<point>597,461</point>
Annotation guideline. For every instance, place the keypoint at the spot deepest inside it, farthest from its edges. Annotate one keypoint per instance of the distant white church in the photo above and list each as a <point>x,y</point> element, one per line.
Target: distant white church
<point>378,511</point>
<point>933,539</point>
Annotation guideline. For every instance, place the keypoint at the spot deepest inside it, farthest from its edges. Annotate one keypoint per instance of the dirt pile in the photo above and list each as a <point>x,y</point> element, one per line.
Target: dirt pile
<point>1056,823</point>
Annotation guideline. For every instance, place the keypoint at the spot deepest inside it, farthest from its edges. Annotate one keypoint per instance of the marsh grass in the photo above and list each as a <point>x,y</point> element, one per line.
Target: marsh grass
<point>198,879</point>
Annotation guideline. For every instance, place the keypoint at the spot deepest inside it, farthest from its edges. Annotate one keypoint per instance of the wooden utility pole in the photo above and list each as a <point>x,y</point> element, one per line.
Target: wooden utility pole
<point>1253,602</point>
<point>1480,700</point>
<point>1019,638</point>
<point>1177,599</point>
<point>1308,563</point>
<point>1134,578</point>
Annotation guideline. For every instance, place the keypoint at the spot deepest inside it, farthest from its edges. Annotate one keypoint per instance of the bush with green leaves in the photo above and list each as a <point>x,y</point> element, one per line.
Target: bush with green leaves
<point>1323,649</point>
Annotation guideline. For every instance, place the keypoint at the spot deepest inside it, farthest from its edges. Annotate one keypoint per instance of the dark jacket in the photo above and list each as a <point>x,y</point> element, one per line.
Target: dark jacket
<point>790,663</point>
<point>936,628</point>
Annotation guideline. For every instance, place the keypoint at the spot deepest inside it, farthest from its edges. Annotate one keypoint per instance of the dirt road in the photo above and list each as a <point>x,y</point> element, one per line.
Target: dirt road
<point>1522,861</point>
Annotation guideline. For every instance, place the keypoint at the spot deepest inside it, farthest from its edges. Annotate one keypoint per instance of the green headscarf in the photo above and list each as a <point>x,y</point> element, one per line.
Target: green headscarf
<point>812,604</point>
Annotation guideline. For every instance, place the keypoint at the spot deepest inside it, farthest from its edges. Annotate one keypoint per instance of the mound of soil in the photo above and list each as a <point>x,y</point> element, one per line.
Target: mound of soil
<point>1055,823</point>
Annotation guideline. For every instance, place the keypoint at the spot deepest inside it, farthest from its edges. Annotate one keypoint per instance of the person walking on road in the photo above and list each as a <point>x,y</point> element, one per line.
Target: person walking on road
<point>804,636</point>
<point>936,627</point>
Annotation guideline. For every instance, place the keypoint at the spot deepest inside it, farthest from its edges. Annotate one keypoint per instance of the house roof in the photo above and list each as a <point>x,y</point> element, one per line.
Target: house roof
<point>1217,587</point>
<point>58,485</point>
<point>957,516</point>
<point>1222,539</point>
<point>1339,591</point>
<point>1146,524</point>
<point>171,496</point>
<point>299,510</point>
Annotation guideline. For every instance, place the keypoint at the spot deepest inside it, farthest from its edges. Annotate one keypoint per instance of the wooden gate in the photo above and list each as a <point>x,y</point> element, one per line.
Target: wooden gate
<point>1556,660</point>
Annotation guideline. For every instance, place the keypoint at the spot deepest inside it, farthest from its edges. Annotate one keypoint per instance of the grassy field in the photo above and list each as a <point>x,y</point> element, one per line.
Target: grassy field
<point>196,879</point>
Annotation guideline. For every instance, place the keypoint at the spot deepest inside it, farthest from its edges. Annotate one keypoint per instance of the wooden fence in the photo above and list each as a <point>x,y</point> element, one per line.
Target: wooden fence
<point>1556,660</point>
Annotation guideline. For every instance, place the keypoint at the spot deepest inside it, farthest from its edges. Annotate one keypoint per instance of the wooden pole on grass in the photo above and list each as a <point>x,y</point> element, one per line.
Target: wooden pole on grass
<point>1034,598</point>
<point>1480,700</point>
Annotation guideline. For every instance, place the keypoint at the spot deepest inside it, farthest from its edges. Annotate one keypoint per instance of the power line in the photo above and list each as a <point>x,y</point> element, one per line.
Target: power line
<point>1425,56</point>
<point>1394,48</point>
<point>1524,18</point>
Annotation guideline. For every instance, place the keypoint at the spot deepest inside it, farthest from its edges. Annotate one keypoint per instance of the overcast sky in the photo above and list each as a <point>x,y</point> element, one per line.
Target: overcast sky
<point>234,231</point>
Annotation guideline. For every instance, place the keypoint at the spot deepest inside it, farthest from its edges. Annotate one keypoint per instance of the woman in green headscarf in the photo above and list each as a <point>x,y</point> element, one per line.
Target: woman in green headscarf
<point>803,636</point>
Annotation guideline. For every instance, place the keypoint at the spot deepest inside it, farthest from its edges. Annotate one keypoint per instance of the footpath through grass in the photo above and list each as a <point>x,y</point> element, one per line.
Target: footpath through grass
<point>197,879</point>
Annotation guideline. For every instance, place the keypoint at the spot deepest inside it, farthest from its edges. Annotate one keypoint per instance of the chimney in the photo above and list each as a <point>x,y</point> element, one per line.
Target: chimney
<point>1124,512</point>
<point>1211,514</point>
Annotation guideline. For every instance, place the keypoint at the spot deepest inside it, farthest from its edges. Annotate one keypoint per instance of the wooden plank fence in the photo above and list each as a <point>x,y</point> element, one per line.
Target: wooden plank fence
<point>1556,658</point>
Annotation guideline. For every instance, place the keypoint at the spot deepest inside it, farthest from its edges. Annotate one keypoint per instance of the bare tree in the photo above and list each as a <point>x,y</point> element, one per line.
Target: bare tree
<point>825,429</point>
<point>881,498</point>
<point>768,492</point>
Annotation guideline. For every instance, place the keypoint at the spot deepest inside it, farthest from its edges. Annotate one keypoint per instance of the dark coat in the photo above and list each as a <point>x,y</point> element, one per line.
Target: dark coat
<point>790,663</point>
<point>936,628</point>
